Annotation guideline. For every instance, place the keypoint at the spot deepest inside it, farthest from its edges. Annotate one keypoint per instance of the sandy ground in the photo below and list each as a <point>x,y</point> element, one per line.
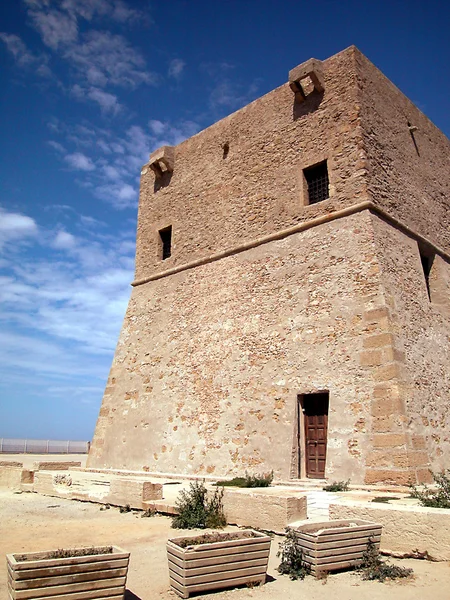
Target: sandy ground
<point>29,522</point>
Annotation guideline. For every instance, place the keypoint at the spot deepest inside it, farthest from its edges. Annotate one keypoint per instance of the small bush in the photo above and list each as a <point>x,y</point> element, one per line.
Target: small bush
<point>436,498</point>
<point>373,568</point>
<point>337,486</point>
<point>249,481</point>
<point>125,509</point>
<point>150,512</point>
<point>211,538</point>
<point>196,510</point>
<point>291,553</point>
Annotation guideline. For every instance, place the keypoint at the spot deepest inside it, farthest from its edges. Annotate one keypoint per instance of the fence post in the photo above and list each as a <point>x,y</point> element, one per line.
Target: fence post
<point>68,446</point>
<point>1,445</point>
<point>25,447</point>
<point>47,445</point>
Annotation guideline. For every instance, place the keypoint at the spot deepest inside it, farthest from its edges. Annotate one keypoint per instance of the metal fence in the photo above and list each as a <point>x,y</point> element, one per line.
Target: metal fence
<point>17,446</point>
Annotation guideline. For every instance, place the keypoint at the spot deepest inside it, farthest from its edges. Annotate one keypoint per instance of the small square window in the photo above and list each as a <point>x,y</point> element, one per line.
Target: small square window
<point>165,236</point>
<point>318,184</point>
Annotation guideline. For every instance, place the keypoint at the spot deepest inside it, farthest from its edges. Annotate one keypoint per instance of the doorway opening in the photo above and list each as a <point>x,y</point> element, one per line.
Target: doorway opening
<point>312,430</point>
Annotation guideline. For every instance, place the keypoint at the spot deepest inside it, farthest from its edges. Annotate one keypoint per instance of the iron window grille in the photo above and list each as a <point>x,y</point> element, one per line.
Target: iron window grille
<point>318,183</point>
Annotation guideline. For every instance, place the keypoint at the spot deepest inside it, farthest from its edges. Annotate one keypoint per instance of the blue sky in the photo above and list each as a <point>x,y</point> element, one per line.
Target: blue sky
<point>88,88</point>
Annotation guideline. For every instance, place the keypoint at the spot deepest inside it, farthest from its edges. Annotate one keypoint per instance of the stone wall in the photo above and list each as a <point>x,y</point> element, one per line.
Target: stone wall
<point>215,202</point>
<point>210,360</point>
<point>421,334</point>
<point>407,165</point>
<point>406,529</point>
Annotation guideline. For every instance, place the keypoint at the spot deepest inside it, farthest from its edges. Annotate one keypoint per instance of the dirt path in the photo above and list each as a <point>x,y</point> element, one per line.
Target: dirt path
<point>29,522</point>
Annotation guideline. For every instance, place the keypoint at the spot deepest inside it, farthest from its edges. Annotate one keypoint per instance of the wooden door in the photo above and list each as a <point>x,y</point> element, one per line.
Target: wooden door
<point>315,411</point>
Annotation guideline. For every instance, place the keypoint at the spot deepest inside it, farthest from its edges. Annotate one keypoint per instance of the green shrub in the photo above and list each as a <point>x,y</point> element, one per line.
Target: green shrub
<point>436,498</point>
<point>196,510</point>
<point>249,481</point>
<point>292,557</point>
<point>338,486</point>
<point>373,568</point>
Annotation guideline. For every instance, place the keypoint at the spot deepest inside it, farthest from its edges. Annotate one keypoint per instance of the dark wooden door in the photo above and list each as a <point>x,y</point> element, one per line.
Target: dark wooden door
<point>315,411</point>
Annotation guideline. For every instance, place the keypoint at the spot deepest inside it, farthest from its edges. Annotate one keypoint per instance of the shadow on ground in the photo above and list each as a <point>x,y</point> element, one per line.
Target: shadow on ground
<point>130,596</point>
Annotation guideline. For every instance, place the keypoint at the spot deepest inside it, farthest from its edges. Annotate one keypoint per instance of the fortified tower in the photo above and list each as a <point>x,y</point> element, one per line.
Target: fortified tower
<point>291,307</point>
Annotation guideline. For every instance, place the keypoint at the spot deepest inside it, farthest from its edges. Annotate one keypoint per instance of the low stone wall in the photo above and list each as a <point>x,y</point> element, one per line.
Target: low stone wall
<point>10,477</point>
<point>405,528</point>
<point>97,487</point>
<point>10,463</point>
<point>55,466</point>
<point>268,511</point>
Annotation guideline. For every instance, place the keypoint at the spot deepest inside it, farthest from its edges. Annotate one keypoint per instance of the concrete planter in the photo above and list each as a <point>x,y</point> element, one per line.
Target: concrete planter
<point>229,560</point>
<point>334,545</point>
<point>37,576</point>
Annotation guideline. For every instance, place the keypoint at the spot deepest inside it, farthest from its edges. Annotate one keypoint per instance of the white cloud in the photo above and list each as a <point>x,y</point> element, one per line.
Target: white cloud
<point>64,241</point>
<point>157,127</point>
<point>176,67</point>
<point>16,227</point>
<point>79,162</point>
<point>107,102</point>
<point>24,57</point>
<point>80,299</point>
<point>57,146</point>
<point>120,194</point>
<point>116,10</point>
<point>105,58</point>
<point>57,28</point>
<point>232,95</point>
<point>97,58</point>
<point>112,174</point>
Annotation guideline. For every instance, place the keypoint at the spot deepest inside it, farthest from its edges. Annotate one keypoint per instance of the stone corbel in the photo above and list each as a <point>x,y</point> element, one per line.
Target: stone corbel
<point>162,161</point>
<point>312,68</point>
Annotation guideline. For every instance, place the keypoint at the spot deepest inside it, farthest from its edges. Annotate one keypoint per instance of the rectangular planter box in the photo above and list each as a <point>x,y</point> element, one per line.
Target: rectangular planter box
<point>34,575</point>
<point>213,565</point>
<point>334,545</point>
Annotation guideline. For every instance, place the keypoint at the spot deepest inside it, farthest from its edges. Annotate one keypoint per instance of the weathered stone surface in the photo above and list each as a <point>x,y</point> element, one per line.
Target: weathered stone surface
<point>50,465</point>
<point>97,487</point>
<point>405,528</point>
<point>10,477</point>
<point>266,296</point>
<point>268,511</point>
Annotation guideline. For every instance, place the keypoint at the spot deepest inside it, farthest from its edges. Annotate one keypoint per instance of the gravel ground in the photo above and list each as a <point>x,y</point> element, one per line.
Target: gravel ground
<point>29,522</point>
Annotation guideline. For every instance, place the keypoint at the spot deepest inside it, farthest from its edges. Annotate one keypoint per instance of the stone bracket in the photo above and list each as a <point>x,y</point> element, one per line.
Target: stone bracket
<point>312,68</point>
<point>162,161</point>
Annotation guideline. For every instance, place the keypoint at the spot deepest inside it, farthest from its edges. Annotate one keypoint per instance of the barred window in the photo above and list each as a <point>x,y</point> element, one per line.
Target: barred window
<point>317,180</point>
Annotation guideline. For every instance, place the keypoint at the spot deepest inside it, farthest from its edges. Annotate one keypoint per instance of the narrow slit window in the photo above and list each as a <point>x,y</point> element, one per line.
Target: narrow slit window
<point>426,258</point>
<point>166,241</point>
<point>318,184</point>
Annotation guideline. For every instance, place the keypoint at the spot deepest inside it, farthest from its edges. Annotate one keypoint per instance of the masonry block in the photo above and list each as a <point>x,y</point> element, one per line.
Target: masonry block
<point>312,68</point>
<point>269,511</point>
<point>389,440</point>
<point>101,487</point>
<point>389,476</point>
<point>162,160</point>
<point>406,529</point>
<point>10,477</point>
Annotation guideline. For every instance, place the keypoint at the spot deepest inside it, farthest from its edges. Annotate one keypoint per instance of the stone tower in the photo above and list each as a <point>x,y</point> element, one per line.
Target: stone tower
<point>291,305</point>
